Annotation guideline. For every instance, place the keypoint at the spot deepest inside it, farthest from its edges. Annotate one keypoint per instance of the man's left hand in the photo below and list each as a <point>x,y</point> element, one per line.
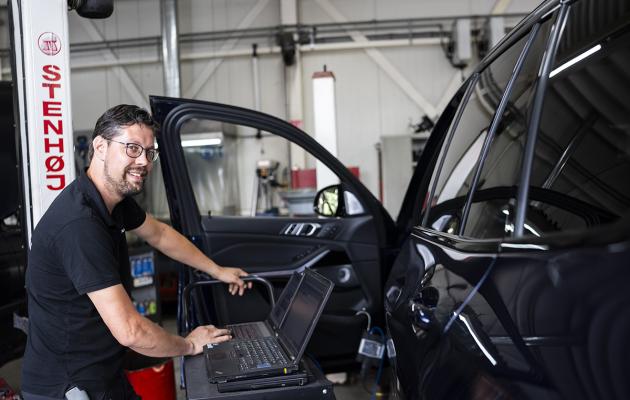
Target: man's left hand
<point>232,276</point>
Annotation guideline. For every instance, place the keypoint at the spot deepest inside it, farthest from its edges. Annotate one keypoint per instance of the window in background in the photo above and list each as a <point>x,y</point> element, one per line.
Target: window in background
<point>234,172</point>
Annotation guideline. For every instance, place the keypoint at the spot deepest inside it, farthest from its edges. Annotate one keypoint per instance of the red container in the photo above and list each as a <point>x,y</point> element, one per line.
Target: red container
<point>303,179</point>
<point>307,178</point>
<point>155,382</point>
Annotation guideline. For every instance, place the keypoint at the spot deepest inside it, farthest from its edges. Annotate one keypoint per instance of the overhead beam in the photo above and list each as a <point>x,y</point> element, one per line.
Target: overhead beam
<point>127,82</point>
<point>262,51</point>
<point>212,66</point>
<point>382,61</point>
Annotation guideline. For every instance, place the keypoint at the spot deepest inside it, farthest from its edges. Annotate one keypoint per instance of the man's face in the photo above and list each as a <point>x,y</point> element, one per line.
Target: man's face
<point>125,175</point>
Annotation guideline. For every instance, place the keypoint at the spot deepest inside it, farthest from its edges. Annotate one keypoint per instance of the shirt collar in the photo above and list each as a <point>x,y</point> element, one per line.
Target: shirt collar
<point>88,188</point>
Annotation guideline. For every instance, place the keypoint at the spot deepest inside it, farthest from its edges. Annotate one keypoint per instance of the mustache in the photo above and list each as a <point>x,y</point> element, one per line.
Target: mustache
<point>136,170</point>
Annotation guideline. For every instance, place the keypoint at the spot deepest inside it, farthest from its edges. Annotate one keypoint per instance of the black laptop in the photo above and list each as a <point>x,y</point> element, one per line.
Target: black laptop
<point>273,321</point>
<point>278,354</point>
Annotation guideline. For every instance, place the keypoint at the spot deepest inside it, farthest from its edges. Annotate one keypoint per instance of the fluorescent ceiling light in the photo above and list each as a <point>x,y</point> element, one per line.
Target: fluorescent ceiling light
<point>201,142</point>
<point>575,60</point>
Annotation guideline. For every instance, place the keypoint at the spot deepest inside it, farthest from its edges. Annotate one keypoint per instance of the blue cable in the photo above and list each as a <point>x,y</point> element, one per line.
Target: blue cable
<point>376,329</point>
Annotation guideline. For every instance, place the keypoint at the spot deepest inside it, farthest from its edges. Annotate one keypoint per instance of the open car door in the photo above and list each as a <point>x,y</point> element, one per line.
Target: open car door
<point>202,146</point>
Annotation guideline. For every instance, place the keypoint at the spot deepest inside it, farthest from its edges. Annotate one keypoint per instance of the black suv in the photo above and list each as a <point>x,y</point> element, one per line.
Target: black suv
<point>513,281</point>
<point>505,274</point>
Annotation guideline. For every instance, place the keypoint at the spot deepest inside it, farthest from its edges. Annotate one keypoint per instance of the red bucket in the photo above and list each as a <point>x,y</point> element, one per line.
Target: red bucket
<point>153,382</point>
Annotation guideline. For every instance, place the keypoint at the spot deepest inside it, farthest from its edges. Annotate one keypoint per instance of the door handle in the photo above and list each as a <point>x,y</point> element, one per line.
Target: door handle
<point>422,310</point>
<point>301,229</point>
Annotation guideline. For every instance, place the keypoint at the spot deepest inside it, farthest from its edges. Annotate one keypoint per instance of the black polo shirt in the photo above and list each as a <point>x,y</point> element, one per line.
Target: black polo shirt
<point>77,248</point>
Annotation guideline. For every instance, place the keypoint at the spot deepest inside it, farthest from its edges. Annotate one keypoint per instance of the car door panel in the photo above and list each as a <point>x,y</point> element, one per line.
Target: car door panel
<point>259,246</point>
<point>442,303</point>
<point>530,325</point>
<point>564,312</point>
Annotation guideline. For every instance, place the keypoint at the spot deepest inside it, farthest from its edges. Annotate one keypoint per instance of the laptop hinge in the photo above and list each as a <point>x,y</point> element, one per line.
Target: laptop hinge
<point>284,346</point>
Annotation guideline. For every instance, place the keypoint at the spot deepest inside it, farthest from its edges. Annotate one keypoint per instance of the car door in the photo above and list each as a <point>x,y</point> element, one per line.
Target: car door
<point>12,249</point>
<point>443,311</point>
<point>351,250</point>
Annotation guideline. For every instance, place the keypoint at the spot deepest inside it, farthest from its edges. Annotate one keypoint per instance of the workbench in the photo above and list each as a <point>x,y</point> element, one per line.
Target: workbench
<point>199,388</point>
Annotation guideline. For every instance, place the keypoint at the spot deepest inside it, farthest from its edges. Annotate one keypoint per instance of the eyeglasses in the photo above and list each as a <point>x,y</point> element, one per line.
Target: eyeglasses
<point>134,150</point>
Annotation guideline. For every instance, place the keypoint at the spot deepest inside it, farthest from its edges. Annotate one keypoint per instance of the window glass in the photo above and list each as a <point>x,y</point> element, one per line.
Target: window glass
<point>465,147</point>
<point>492,211</point>
<point>582,158</point>
<point>441,129</point>
<point>234,171</point>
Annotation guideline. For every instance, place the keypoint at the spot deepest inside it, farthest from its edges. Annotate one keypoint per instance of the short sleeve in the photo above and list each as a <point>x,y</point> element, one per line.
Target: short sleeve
<point>88,255</point>
<point>133,214</point>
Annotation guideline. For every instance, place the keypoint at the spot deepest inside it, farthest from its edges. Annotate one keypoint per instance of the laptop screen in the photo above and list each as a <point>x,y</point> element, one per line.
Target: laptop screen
<point>280,309</point>
<point>304,311</point>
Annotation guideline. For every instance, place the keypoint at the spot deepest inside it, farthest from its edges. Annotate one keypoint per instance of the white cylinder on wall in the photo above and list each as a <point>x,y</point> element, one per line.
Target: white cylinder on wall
<point>325,122</point>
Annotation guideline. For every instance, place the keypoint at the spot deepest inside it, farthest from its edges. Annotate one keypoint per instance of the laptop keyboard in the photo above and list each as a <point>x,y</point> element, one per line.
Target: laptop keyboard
<point>245,331</point>
<point>259,353</point>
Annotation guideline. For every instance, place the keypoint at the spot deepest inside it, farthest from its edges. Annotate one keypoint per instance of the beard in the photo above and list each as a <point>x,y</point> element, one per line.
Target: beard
<point>122,186</point>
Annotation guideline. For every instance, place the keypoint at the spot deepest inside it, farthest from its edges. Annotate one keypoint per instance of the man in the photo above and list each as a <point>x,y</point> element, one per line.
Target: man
<point>81,316</point>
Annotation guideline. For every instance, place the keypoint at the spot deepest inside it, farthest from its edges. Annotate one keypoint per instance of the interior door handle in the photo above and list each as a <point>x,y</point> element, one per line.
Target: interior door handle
<point>301,229</point>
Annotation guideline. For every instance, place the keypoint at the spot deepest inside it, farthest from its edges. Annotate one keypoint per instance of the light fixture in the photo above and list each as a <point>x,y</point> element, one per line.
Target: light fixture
<point>575,60</point>
<point>325,123</point>
<point>201,142</point>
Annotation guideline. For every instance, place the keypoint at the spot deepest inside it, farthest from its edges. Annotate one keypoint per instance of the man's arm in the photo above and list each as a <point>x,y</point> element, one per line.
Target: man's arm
<point>177,247</point>
<point>143,336</point>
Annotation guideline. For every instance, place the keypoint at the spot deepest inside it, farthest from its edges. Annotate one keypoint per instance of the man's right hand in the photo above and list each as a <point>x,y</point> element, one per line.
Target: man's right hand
<point>203,335</point>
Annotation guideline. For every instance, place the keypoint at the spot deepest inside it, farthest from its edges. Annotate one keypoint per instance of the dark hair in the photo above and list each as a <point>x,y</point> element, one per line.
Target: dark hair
<point>110,123</point>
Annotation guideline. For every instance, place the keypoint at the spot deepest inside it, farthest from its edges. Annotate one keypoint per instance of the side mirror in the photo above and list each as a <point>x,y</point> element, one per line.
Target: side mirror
<point>333,201</point>
<point>327,201</point>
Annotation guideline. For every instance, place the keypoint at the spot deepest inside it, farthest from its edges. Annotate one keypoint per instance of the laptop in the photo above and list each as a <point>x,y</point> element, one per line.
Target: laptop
<point>274,319</point>
<point>279,354</point>
<point>299,378</point>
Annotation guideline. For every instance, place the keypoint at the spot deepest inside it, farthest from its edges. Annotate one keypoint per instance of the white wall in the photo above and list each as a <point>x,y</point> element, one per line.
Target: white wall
<point>370,104</point>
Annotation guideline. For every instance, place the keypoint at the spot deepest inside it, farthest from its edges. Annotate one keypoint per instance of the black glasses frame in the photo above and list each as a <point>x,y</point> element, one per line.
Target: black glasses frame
<point>151,154</point>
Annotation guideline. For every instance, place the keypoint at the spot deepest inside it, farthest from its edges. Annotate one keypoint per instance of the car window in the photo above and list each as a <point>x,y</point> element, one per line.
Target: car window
<point>236,171</point>
<point>582,158</point>
<point>465,147</point>
<point>491,212</point>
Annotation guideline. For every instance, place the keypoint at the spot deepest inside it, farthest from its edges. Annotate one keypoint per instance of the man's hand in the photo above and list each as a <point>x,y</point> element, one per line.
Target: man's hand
<point>203,335</point>
<point>173,244</point>
<point>232,276</point>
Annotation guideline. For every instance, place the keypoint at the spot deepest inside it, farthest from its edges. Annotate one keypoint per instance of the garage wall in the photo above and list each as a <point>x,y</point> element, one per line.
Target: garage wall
<point>370,104</point>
